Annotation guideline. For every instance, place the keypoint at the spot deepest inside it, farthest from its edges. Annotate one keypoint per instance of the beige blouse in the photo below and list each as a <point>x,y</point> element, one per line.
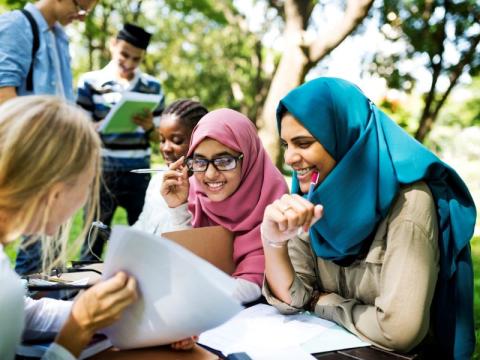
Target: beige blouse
<point>384,298</point>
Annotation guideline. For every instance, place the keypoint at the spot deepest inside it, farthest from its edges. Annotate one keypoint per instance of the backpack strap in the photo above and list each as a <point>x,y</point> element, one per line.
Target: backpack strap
<point>35,46</point>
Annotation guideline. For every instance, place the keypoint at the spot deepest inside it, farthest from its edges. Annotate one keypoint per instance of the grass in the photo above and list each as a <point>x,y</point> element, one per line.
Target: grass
<point>120,217</point>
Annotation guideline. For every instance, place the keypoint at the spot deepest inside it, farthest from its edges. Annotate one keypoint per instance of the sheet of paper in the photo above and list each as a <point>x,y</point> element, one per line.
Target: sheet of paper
<point>180,294</point>
<point>336,338</point>
<point>261,329</point>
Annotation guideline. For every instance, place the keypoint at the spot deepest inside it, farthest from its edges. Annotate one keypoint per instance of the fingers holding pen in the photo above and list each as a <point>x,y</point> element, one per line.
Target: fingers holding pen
<point>175,184</point>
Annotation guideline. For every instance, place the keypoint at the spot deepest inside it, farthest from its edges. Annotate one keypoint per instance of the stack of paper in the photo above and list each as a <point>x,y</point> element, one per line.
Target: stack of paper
<point>264,333</point>
<point>180,294</point>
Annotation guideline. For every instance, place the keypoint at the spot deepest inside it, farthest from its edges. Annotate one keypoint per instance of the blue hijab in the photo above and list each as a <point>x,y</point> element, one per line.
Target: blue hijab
<point>374,157</point>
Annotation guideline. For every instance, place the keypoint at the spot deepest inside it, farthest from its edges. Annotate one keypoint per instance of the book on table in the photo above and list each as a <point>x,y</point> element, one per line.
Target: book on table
<point>36,349</point>
<point>119,118</point>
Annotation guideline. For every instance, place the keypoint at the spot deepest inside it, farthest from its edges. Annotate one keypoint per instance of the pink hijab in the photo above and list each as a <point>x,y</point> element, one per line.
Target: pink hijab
<point>242,212</point>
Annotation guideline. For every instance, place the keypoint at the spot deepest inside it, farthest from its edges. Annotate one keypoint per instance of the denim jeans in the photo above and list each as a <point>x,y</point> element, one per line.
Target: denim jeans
<point>29,259</point>
<point>119,188</point>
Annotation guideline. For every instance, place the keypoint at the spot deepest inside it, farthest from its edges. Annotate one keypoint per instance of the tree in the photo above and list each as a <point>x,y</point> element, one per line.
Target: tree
<point>300,54</point>
<point>444,33</point>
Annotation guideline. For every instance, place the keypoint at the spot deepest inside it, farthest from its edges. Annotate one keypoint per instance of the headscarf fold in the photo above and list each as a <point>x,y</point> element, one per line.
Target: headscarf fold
<point>374,157</point>
<point>242,212</point>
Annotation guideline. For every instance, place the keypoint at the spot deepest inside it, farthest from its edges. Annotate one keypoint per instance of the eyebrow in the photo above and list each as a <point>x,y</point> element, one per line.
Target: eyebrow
<point>303,137</point>
<point>214,155</point>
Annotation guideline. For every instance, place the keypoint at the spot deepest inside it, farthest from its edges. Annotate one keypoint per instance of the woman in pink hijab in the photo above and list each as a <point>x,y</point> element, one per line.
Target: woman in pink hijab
<point>233,182</point>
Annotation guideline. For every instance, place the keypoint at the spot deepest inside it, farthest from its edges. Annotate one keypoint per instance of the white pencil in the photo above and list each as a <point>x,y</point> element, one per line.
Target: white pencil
<point>147,171</point>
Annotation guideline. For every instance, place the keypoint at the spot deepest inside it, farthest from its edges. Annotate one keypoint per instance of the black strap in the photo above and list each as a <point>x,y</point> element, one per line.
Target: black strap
<point>35,46</point>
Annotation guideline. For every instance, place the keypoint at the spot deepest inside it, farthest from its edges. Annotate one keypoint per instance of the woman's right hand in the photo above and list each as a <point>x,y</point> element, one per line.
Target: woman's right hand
<point>175,184</point>
<point>103,304</point>
<point>284,217</point>
<point>95,309</point>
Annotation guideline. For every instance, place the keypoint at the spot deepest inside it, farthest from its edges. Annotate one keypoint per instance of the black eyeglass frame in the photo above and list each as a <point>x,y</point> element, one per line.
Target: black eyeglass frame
<point>189,163</point>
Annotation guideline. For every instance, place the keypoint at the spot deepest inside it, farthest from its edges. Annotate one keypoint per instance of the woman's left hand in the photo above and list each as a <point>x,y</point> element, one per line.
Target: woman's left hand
<point>185,344</point>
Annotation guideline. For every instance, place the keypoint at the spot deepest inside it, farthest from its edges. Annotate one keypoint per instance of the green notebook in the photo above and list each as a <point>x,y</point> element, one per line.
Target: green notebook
<point>119,118</point>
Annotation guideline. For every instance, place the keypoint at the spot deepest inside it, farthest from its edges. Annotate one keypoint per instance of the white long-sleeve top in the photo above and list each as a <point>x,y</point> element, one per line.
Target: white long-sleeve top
<point>156,217</point>
<point>19,313</point>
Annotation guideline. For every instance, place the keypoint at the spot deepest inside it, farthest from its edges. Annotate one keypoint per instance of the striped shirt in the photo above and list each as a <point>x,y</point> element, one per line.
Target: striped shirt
<point>98,91</point>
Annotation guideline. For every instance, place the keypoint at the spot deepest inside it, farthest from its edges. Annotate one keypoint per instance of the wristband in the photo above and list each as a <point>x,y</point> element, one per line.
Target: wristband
<point>277,244</point>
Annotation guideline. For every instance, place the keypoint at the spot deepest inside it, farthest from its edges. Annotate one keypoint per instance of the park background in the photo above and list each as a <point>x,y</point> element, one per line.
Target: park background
<point>418,60</point>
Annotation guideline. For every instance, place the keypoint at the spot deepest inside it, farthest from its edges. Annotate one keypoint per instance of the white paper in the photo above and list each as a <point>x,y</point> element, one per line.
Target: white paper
<point>180,294</point>
<point>262,329</point>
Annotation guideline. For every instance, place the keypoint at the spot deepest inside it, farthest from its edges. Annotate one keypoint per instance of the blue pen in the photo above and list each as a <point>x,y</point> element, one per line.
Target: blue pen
<point>313,183</point>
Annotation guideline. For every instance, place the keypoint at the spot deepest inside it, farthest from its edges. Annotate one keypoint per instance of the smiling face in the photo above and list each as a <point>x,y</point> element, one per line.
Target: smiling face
<point>174,138</point>
<point>217,185</point>
<point>304,153</point>
<point>126,57</point>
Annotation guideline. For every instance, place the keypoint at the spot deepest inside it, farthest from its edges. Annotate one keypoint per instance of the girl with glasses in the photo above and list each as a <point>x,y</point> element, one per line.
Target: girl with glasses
<point>233,181</point>
<point>381,244</point>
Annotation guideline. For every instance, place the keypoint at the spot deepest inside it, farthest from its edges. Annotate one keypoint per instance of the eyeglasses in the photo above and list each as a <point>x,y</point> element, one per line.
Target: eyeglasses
<point>81,11</point>
<point>221,163</point>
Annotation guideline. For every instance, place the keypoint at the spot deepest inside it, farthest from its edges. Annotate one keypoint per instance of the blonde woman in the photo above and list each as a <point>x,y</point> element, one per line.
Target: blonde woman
<point>49,165</point>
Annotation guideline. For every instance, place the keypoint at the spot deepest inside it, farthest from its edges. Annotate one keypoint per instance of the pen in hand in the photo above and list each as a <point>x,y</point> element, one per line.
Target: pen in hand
<point>313,184</point>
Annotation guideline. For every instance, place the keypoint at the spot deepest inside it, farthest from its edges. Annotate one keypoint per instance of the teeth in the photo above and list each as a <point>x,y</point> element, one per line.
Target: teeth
<point>215,185</point>
<point>305,170</point>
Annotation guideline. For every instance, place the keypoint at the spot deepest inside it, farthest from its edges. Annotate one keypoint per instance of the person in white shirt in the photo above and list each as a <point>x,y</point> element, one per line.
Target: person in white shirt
<point>174,130</point>
<point>49,165</point>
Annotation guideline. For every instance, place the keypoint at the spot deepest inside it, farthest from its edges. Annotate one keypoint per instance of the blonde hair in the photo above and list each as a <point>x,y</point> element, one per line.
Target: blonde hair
<point>43,141</point>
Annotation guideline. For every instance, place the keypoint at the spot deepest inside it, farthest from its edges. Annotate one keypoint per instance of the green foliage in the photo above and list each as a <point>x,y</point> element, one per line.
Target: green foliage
<point>194,51</point>
<point>432,30</point>
<point>441,36</point>
<point>466,112</point>
<point>13,4</point>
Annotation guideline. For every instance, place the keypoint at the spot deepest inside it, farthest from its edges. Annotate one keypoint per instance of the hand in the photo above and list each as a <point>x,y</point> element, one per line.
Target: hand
<point>284,217</point>
<point>96,308</point>
<point>144,120</point>
<point>175,184</point>
<point>104,303</point>
<point>185,344</point>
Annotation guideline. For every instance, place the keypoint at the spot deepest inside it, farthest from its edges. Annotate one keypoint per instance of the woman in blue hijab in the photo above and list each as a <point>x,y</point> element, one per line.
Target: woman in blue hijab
<point>386,253</point>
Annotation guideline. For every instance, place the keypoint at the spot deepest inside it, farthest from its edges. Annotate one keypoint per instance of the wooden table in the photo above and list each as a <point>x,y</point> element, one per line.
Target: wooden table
<point>364,353</point>
<point>198,353</point>
<point>156,353</point>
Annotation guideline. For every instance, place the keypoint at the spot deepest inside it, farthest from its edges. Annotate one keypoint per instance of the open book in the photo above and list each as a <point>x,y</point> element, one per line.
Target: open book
<point>181,294</point>
<point>119,118</point>
<point>36,349</point>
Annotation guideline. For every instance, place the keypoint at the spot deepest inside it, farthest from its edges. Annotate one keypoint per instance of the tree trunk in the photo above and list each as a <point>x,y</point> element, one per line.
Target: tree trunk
<point>299,56</point>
